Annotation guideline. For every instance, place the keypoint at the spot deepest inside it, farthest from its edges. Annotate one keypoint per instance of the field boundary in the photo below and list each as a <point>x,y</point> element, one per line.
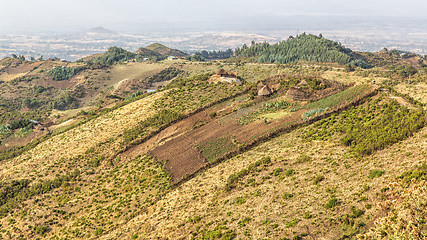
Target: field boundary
<point>164,126</point>
<point>275,133</point>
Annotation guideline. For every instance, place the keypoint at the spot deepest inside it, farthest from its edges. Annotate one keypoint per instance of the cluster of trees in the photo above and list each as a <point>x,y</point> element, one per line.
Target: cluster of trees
<point>402,71</point>
<point>393,125</point>
<point>211,55</point>
<point>113,55</point>
<point>116,55</point>
<point>63,73</point>
<point>165,75</point>
<point>20,57</point>
<point>63,102</point>
<point>306,47</point>
<point>32,103</point>
<point>21,123</point>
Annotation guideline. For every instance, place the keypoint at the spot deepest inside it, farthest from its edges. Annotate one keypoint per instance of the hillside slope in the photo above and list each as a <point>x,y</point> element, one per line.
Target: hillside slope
<point>165,51</point>
<point>290,167</point>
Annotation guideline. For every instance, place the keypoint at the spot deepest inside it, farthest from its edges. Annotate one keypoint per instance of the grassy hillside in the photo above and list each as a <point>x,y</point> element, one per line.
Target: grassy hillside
<point>204,160</point>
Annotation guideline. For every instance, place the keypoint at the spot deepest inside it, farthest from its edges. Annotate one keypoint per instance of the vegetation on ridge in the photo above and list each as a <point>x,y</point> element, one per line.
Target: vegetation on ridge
<point>306,47</point>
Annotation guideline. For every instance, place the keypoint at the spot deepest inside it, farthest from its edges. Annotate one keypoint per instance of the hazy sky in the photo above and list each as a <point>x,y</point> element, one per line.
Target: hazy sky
<point>24,15</point>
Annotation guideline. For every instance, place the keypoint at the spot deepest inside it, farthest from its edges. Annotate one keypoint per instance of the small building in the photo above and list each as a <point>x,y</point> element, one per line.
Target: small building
<point>222,73</point>
<point>264,91</point>
<point>172,58</point>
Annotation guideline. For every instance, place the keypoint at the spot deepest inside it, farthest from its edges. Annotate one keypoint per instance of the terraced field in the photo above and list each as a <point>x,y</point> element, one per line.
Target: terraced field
<point>199,141</point>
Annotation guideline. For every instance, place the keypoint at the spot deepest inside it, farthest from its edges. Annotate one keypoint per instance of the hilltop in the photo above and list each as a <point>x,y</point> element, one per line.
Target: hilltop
<point>165,51</point>
<point>304,150</point>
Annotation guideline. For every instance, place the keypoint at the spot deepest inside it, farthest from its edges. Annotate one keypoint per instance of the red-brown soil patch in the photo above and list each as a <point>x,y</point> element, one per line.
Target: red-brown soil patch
<point>177,146</point>
<point>181,156</point>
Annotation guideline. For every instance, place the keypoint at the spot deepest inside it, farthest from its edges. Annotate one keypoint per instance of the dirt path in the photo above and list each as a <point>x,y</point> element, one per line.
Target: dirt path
<point>402,101</point>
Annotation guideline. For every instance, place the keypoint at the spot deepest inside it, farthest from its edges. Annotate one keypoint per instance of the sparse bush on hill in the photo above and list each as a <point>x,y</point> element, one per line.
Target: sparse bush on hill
<point>419,174</point>
<point>164,116</point>
<point>220,232</point>
<point>233,179</point>
<point>13,193</point>
<point>375,173</point>
<point>332,202</point>
<point>406,213</point>
<point>165,75</point>
<point>371,127</point>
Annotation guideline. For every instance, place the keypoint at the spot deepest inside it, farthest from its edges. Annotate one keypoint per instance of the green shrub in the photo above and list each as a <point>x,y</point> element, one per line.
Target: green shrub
<point>419,173</point>
<point>42,230</point>
<point>292,223</point>
<point>113,55</point>
<point>165,75</point>
<point>99,231</point>
<point>375,173</point>
<point>333,202</point>
<point>318,179</point>
<point>287,196</point>
<point>289,172</point>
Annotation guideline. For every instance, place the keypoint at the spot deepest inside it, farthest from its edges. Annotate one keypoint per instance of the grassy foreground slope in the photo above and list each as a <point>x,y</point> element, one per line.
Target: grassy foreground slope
<point>70,186</point>
<point>78,140</point>
<point>287,188</point>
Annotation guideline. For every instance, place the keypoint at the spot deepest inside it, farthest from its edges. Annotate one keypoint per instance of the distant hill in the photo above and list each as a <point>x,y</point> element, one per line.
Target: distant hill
<point>148,53</point>
<point>165,51</point>
<point>101,30</point>
<point>306,47</point>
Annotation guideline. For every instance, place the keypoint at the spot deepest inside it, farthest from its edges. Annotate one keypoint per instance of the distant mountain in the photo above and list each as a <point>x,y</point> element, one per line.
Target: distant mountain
<point>225,40</point>
<point>101,30</point>
<point>165,51</point>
